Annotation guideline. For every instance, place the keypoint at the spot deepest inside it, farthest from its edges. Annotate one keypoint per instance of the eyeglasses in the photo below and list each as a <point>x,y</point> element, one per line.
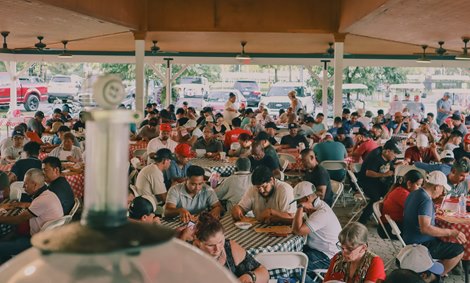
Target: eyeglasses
<point>346,249</point>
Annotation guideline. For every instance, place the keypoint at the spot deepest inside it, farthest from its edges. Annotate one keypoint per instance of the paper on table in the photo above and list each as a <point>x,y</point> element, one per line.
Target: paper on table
<point>251,220</point>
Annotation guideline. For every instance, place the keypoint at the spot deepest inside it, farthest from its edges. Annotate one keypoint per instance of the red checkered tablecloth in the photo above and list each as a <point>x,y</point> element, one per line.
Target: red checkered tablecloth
<point>461,224</point>
<point>294,152</point>
<point>77,182</point>
<point>137,145</point>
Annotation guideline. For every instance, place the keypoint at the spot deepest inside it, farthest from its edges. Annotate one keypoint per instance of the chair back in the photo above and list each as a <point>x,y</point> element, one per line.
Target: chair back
<point>289,157</point>
<point>288,260</point>
<point>401,170</point>
<point>376,207</point>
<point>49,225</point>
<point>75,207</point>
<point>336,187</point>
<point>16,189</point>
<point>332,165</point>
<point>395,230</point>
<point>133,188</point>
<point>352,177</point>
<point>139,152</point>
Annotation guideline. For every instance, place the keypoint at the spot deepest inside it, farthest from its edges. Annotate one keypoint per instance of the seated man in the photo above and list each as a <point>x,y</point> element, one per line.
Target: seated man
<point>44,207</point>
<point>419,223</point>
<point>376,175</point>
<point>212,146</point>
<point>321,227</point>
<point>417,258</point>
<point>318,127</point>
<point>150,181</point>
<point>35,124</point>
<point>56,117</point>
<point>457,178</point>
<point>31,161</point>
<point>162,141</point>
<point>337,123</point>
<point>317,175</point>
<point>269,149</point>
<point>142,208</point>
<point>353,125</point>
<point>260,157</point>
<point>271,129</point>
<point>177,173</point>
<point>458,125</point>
<point>149,131</point>
<point>242,148</point>
<point>329,149</point>
<point>234,187</point>
<point>464,149</point>
<point>363,145</point>
<point>58,184</point>
<point>399,125</point>
<point>253,126</point>
<point>293,139</point>
<point>268,198</point>
<point>13,152</point>
<point>422,151</point>
<point>343,137</point>
<point>447,160</point>
<point>232,135</point>
<point>192,197</point>
<point>454,140</point>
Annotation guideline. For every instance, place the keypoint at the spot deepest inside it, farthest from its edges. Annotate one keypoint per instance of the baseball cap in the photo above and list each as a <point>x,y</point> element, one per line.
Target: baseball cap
<point>456,117</point>
<point>328,135</point>
<point>302,190</point>
<point>271,125</point>
<point>185,103</point>
<point>293,126</point>
<point>18,133</point>
<point>184,149</point>
<point>447,94</point>
<point>165,127</point>
<point>190,124</point>
<point>447,154</point>
<point>262,136</point>
<point>363,132</point>
<point>55,127</point>
<point>466,139</point>
<point>341,131</point>
<point>417,258</point>
<point>391,145</point>
<point>369,114</point>
<point>380,112</point>
<point>438,178</point>
<point>39,114</point>
<point>149,105</point>
<point>422,141</point>
<point>424,121</point>
<point>309,119</point>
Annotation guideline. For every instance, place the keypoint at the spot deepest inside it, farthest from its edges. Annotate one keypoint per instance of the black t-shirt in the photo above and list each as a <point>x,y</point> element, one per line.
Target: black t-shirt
<point>272,141</point>
<point>319,177</point>
<point>266,161</point>
<point>347,142</point>
<point>21,166</point>
<point>293,142</point>
<point>375,162</point>
<point>459,152</point>
<point>64,192</point>
<point>79,124</point>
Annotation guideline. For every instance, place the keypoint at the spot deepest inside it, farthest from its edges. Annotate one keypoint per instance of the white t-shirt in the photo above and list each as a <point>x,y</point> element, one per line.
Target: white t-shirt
<point>324,230</point>
<point>156,144</point>
<point>197,133</point>
<point>150,181</point>
<point>45,207</point>
<point>279,200</point>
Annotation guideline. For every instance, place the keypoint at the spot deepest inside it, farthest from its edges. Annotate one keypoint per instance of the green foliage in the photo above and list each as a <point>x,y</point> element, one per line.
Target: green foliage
<point>2,67</point>
<point>372,77</point>
<point>174,96</point>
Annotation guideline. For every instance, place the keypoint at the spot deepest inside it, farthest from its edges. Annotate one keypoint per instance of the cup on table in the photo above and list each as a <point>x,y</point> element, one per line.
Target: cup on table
<point>200,152</point>
<point>222,155</point>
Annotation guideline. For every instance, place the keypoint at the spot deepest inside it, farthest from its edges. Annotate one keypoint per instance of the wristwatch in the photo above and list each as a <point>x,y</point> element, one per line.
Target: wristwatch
<point>300,205</point>
<point>252,275</point>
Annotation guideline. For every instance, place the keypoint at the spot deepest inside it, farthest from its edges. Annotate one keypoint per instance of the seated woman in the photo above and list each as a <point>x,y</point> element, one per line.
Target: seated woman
<point>209,237</point>
<point>394,201</point>
<point>142,208</point>
<point>67,151</point>
<point>220,127</point>
<point>355,263</point>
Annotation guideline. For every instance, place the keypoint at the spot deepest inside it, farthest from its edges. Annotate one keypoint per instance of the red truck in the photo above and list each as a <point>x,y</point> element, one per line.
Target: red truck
<point>29,91</point>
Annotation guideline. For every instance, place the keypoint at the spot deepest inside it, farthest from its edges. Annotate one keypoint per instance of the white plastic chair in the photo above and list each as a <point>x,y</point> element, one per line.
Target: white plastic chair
<point>378,214</point>
<point>75,207</point>
<point>362,199</point>
<point>338,189</point>
<point>395,230</point>
<point>335,165</point>
<point>285,159</point>
<point>16,189</point>
<point>401,170</point>
<point>133,188</point>
<point>288,260</point>
<point>49,225</point>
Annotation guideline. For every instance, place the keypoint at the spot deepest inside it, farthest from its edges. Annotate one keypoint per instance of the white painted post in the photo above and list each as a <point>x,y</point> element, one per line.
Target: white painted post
<point>338,81</point>
<point>13,91</point>
<point>139,74</point>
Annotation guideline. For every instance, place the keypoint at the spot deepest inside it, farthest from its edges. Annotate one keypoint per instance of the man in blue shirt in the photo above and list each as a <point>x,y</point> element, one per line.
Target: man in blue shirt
<point>447,159</point>
<point>419,223</point>
<point>398,125</point>
<point>444,108</point>
<point>353,125</point>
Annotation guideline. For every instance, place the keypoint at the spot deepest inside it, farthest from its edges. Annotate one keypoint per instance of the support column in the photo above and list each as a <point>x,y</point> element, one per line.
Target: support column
<point>338,79</point>
<point>139,71</point>
<point>168,81</point>
<point>11,66</point>
<point>324,84</point>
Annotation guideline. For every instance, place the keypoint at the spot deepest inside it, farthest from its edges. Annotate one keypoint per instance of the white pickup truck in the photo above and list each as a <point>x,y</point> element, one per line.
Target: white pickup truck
<point>277,98</point>
<point>193,90</point>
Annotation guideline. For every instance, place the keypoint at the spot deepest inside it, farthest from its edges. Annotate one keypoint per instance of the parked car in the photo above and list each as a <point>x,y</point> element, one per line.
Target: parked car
<point>250,91</point>
<point>28,91</point>
<point>63,87</point>
<point>189,87</point>
<point>277,98</point>
<point>218,97</point>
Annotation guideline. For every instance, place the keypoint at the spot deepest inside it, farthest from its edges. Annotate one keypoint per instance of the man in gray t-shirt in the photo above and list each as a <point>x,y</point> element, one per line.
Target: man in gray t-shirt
<point>457,178</point>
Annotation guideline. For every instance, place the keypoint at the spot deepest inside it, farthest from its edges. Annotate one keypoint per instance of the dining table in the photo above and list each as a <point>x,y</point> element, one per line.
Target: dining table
<point>253,241</point>
<point>134,145</point>
<point>224,167</point>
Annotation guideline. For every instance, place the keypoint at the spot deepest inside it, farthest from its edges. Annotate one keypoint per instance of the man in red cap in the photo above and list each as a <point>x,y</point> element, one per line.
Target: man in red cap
<point>178,168</point>
<point>162,141</point>
<point>464,149</point>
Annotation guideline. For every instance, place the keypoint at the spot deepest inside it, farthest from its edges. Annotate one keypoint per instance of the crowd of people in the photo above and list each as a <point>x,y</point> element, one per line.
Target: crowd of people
<point>170,186</point>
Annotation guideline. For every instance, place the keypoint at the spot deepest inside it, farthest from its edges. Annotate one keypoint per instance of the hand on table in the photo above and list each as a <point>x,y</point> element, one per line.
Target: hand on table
<point>185,215</point>
<point>459,236</point>
<point>245,278</point>
<point>266,216</point>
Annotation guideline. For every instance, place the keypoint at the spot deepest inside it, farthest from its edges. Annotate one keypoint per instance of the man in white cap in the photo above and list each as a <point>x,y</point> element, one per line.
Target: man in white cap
<point>321,227</point>
<point>422,151</point>
<point>418,259</point>
<point>419,223</point>
<point>447,159</point>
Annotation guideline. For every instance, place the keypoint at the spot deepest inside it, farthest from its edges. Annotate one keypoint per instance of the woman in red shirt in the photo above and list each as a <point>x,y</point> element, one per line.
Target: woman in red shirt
<point>394,202</point>
<point>355,263</point>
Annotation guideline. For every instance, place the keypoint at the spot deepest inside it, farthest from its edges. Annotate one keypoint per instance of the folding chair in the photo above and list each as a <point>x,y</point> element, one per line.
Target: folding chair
<point>337,189</point>
<point>56,223</point>
<point>361,199</point>
<point>290,159</point>
<point>75,207</point>
<point>401,170</point>
<point>288,260</point>
<point>395,230</point>
<point>378,214</point>
<point>133,188</point>
<point>334,165</point>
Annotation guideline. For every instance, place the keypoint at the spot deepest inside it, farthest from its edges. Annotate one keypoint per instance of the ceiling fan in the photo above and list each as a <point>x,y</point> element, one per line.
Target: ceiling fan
<point>441,50</point>
<point>330,51</point>
<point>65,53</point>
<point>423,59</point>
<point>464,55</point>
<point>154,49</point>
<point>5,48</point>
<point>243,56</point>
